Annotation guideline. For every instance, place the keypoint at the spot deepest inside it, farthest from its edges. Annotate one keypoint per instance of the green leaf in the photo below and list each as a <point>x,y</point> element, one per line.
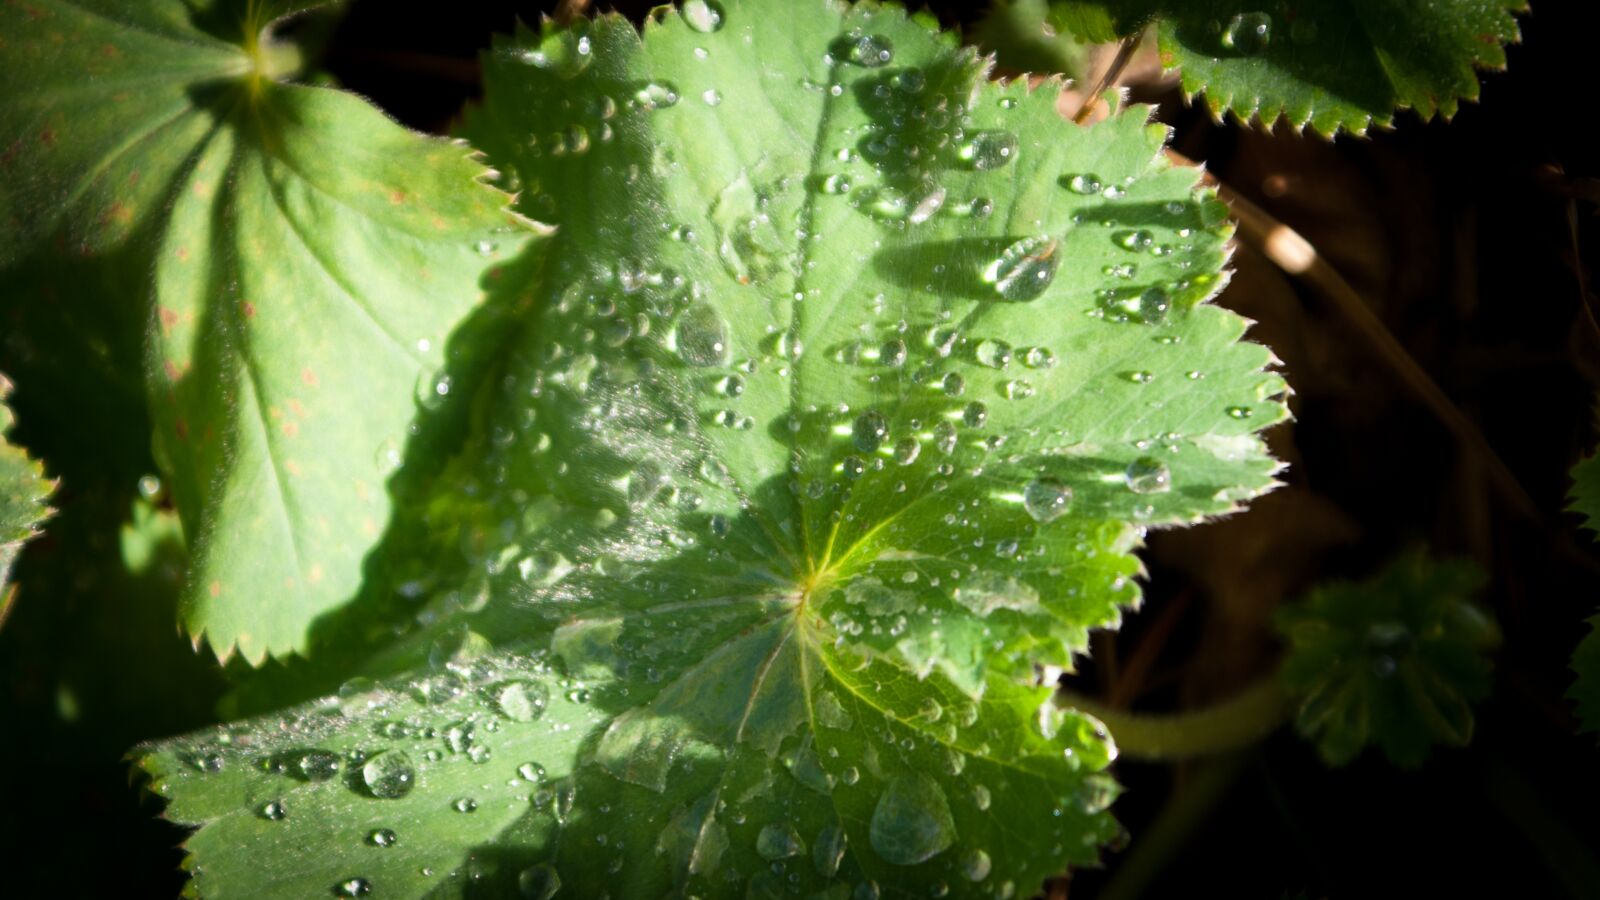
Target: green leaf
<point>23,492</point>
<point>1585,691</point>
<point>308,257</point>
<point>1326,64</point>
<point>836,404</point>
<point>1395,661</point>
<point>1023,38</point>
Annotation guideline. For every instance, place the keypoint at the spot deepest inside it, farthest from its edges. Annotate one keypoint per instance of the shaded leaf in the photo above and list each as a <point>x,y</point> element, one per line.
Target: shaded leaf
<point>308,258</point>
<point>837,402</point>
<point>1396,661</point>
<point>23,492</point>
<point>1326,64</point>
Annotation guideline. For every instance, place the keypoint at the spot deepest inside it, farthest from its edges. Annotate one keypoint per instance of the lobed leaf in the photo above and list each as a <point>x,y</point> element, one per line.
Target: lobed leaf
<point>1585,691</point>
<point>837,402</point>
<point>1396,661</point>
<point>307,257</point>
<point>1323,64</point>
<point>23,492</point>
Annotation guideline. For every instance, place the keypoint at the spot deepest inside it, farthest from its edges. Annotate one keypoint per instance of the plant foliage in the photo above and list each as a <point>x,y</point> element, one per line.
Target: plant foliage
<point>23,492</point>
<point>299,260</point>
<point>1323,64</point>
<point>836,403</point>
<point>1585,501</point>
<point>1396,661</point>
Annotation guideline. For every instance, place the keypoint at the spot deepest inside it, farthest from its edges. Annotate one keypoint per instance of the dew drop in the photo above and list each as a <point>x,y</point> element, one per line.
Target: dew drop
<point>893,354</point>
<point>382,837</point>
<point>1046,499</point>
<point>986,150</point>
<point>701,337</point>
<point>465,805</point>
<point>703,16</point>
<point>778,841</point>
<point>870,51</point>
<point>944,438</point>
<point>273,811</point>
<point>870,431</point>
<point>318,765</point>
<point>539,882</point>
<point>976,414</point>
<point>828,851</point>
<point>1085,184</point>
<point>352,887</point>
<point>521,701</point>
<point>656,95</point>
<point>389,774</point>
<point>975,864</point>
<point>1138,241</point>
<point>1148,475</point>
<point>911,822</point>
<point>953,384</point>
<point>853,466</point>
<point>1038,358</point>
<point>1154,305</point>
<point>1239,412</point>
<point>992,353</point>
<point>906,450</point>
<point>1024,269</point>
<point>1249,33</point>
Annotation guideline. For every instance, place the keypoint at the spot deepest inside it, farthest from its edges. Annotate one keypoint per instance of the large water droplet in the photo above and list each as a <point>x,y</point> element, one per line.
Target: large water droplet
<point>829,849</point>
<point>1148,475</point>
<point>1249,33</point>
<point>870,431</point>
<point>702,15</point>
<point>1085,184</point>
<point>389,774</point>
<point>521,701</point>
<point>1154,305</point>
<point>382,837</point>
<point>656,95</point>
<point>779,841</point>
<point>1046,499</point>
<point>870,50</point>
<point>1024,269</point>
<point>539,882</point>
<point>988,149</point>
<point>906,450</point>
<point>701,337</point>
<point>912,822</point>
<point>273,811</point>
<point>975,864</point>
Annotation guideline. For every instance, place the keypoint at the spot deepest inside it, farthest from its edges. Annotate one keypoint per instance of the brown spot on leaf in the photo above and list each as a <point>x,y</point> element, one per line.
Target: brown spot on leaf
<point>214,589</point>
<point>397,197</point>
<point>292,467</point>
<point>183,254</point>
<point>309,377</point>
<point>249,309</point>
<point>291,428</point>
<point>47,137</point>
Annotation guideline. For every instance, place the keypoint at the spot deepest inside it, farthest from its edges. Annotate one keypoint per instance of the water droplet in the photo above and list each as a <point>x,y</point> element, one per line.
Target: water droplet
<point>1017,389</point>
<point>1137,241</point>
<point>543,568</point>
<point>981,798</point>
<point>389,774</point>
<point>521,701</point>
<point>893,354</point>
<point>1140,377</point>
<point>779,841</point>
<point>1024,269</point>
<point>870,51</point>
<point>836,184</point>
<point>1038,358</point>
<point>703,16</point>
<point>1249,33</point>
<point>986,150</point>
<point>1154,305</point>
<point>352,887</point>
<point>382,837</point>
<point>953,384</point>
<point>656,95</point>
<point>911,822</point>
<point>975,864</point>
<point>992,353</point>
<point>465,805</point>
<point>976,413</point>
<point>1148,475</point>
<point>273,811</point>
<point>539,882</point>
<point>906,450</point>
<point>829,849</point>
<point>701,337</point>
<point>318,765</point>
<point>531,771</point>
<point>944,438</point>
<point>870,431</point>
<point>852,466</point>
<point>712,97</point>
<point>1085,184</point>
<point>1046,499</point>
<point>850,775</point>
<point>1239,412</point>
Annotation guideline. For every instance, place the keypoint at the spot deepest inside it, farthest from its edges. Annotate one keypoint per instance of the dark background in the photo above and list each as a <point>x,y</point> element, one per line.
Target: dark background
<point>1466,238</point>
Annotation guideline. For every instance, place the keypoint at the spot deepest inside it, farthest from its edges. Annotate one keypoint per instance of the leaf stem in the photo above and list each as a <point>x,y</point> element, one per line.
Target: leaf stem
<point>1113,71</point>
<point>1237,722</point>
